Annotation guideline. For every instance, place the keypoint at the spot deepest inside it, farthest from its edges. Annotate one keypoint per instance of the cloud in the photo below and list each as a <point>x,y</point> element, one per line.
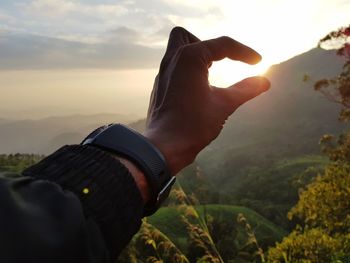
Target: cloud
<point>67,34</point>
<point>39,52</point>
<point>110,10</point>
<point>158,37</point>
<point>88,18</point>
<point>4,16</point>
<point>195,6</point>
<point>6,19</point>
<point>92,15</point>
<point>50,7</point>
<point>123,34</point>
<point>64,8</point>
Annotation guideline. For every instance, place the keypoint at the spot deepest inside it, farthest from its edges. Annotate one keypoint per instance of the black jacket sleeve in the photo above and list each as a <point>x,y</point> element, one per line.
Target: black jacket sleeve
<point>79,204</point>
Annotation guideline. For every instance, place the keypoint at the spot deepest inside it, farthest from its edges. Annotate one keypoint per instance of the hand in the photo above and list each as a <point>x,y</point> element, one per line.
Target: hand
<point>186,113</point>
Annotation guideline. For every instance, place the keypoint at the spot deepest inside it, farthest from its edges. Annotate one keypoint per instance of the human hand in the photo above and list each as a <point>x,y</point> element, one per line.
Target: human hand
<point>186,113</point>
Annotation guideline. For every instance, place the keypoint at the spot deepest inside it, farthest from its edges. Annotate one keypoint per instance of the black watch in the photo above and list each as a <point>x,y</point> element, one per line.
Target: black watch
<point>124,141</point>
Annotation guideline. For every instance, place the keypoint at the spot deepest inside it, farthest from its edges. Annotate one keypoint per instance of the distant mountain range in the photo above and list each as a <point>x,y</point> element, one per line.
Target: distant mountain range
<point>46,135</point>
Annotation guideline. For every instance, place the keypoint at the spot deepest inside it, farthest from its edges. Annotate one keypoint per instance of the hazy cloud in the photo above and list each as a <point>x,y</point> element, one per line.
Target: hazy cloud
<point>64,8</point>
<point>123,34</point>
<point>87,34</point>
<point>49,7</point>
<point>4,16</point>
<point>100,33</point>
<point>38,52</point>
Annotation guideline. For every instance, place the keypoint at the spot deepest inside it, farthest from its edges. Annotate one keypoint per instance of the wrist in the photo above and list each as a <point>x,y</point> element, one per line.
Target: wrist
<point>139,178</point>
<point>177,153</point>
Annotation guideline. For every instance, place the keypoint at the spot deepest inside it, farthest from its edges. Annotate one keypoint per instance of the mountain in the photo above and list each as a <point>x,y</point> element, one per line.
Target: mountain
<point>287,121</point>
<point>46,135</point>
<point>2,120</point>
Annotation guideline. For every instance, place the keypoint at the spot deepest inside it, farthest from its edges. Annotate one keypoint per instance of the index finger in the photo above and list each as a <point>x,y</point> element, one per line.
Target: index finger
<point>179,37</point>
<point>226,47</point>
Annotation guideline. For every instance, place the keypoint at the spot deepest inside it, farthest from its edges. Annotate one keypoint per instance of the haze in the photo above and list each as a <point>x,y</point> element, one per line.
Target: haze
<point>37,94</point>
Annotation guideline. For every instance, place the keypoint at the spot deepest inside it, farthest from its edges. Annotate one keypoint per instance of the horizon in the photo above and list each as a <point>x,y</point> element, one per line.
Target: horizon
<point>134,110</point>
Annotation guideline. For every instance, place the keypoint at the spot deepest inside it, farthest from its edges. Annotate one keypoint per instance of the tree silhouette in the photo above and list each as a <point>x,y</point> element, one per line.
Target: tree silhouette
<point>337,89</point>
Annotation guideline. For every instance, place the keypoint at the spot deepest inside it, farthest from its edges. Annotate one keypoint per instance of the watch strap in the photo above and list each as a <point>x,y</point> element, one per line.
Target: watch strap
<point>124,141</point>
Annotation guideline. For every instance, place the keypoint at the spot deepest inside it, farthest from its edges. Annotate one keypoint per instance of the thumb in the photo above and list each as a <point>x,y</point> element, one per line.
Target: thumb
<point>245,90</point>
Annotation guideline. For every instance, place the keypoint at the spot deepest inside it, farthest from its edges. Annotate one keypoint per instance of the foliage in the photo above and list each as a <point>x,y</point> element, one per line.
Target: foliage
<point>339,150</point>
<point>201,244</point>
<point>202,233</point>
<point>164,249</point>
<point>150,245</point>
<point>326,202</point>
<point>310,245</point>
<point>274,191</point>
<point>204,244</point>
<point>337,89</point>
<point>252,241</point>
<point>18,162</point>
<point>224,233</point>
<point>323,209</point>
<point>339,40</point>
<point>228,235</point>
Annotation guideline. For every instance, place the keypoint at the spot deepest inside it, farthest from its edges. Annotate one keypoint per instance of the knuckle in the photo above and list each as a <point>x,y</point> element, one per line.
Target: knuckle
<point>225,39</point>
<point>177,30</point>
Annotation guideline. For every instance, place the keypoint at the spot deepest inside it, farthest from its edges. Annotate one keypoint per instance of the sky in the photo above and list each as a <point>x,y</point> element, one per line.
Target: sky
<point>88,56</point>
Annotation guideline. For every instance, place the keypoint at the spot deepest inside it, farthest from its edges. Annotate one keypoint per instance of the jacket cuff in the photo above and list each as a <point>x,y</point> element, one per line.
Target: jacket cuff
<point>106,188</point>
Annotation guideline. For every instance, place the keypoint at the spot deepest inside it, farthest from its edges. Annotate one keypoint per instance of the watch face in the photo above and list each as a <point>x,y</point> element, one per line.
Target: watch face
<point>94,133</point>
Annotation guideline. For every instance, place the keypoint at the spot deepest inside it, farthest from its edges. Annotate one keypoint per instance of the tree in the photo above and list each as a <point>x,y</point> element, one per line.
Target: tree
<point>337,89</point>
<point>323,209</point>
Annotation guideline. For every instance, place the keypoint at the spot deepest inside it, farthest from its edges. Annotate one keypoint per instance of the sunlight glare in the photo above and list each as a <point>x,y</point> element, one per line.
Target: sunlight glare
<point>227,72</point>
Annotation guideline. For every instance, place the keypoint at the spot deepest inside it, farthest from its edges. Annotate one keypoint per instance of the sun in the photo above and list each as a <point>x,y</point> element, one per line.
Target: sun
<point>227,72</point>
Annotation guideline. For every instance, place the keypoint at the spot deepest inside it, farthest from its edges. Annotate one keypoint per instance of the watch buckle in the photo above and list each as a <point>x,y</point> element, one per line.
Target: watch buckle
<point>165,190</point>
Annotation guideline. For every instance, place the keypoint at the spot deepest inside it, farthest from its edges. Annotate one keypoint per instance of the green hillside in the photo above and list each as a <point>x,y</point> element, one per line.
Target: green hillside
<point>274,190</point>
<point>168,220</point>
<point>270,187</point>
<point>285,122</point>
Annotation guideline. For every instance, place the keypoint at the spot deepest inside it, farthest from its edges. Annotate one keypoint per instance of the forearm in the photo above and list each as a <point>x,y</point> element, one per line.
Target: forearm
<point>81,196</point>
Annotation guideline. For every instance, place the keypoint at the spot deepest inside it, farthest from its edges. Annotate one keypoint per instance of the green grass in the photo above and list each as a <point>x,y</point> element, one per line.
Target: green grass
<point>304,161</point>
<point>168,221</point>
